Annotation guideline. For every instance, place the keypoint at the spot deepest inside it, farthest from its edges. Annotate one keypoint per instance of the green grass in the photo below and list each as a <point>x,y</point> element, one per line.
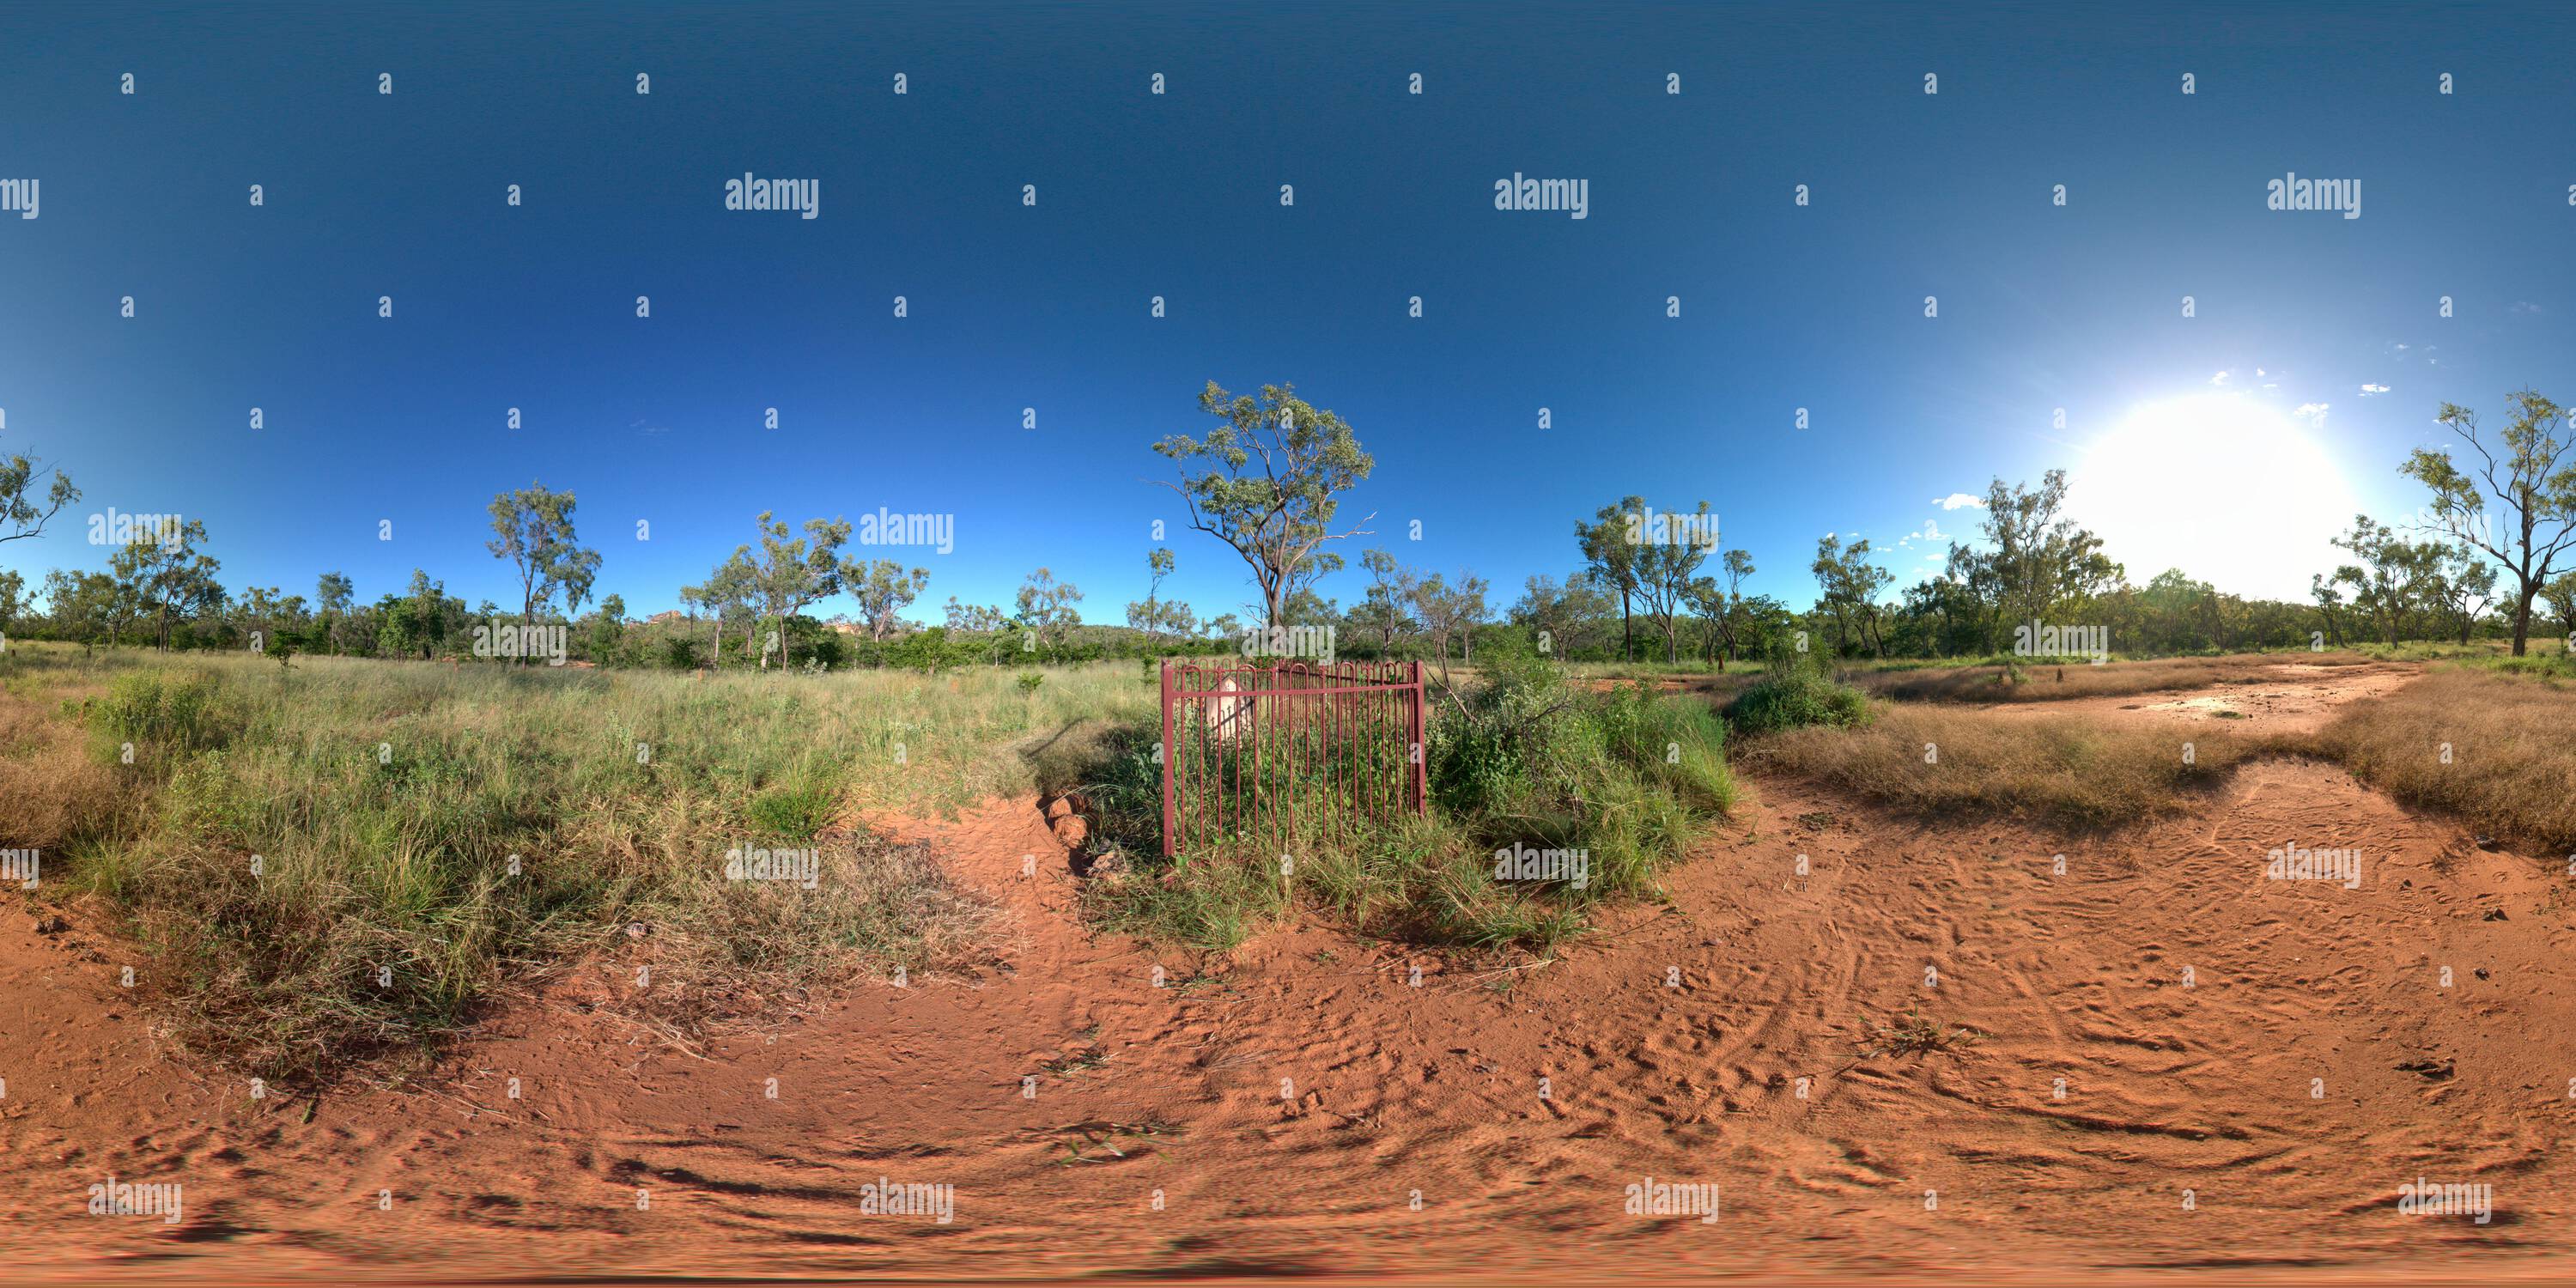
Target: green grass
<point>1526,758</point>
<point>348,862</point>
<point>1794,699</point>
<point>320,859</point>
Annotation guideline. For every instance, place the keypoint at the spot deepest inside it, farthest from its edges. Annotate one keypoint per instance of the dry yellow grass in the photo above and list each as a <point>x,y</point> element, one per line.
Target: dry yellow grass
<point>2051,681</point>
<point>2065,772</point>
<point>2496,750</point>
<point>51,792</point>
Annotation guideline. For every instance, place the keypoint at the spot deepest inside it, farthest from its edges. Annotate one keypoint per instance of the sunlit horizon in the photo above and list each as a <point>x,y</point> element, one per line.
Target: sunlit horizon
<point>2222,485</point>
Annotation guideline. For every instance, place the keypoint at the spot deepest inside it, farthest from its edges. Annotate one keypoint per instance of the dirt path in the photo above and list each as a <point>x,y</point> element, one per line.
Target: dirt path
<point>1289,1106</point>
<point>2281,697</point>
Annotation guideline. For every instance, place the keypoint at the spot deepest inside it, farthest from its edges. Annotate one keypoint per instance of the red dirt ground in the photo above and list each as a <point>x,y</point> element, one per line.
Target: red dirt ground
<point>1290,1103</point>
<point>2277,697</point>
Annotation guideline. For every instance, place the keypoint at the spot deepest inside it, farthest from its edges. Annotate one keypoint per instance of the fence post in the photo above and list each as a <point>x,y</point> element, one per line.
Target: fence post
<point>1171,757</point>
<point>1419,772</point>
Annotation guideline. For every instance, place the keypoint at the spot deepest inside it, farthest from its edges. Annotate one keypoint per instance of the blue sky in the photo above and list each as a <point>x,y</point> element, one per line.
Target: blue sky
<point>1948,195</point>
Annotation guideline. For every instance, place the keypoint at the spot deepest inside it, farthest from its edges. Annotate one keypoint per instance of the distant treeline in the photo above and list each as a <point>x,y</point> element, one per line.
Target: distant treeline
<point>2483,558</point>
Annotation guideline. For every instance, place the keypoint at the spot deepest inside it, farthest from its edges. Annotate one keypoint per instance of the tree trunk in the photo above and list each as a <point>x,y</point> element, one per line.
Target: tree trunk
<point>2522,617</point>
<point>1627,637</point>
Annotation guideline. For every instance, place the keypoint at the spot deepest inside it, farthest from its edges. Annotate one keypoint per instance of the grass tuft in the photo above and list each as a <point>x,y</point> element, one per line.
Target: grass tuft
<point>351,861</point>
<point>1629,779</point>
<point>1935,761</point>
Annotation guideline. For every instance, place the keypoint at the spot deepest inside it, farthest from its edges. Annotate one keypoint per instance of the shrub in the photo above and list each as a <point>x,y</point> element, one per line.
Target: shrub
<point>1622,776</point>
<point>161,713</point>
<point>1794,694</point>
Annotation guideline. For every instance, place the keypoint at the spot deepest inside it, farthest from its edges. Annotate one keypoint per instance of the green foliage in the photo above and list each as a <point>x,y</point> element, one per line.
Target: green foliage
<point>532,528</point>
<point>1627,778</point>
<point>1497,748</point>
<point>22,512</point>
<point>163,713</point>
<point>1267,480</point>
<point>429,837</point>
<point>1796,692</point>
<point>789,813</point>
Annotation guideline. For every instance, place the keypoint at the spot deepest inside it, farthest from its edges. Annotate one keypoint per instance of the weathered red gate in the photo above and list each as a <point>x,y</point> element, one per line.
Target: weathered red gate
<point>1258,752</point>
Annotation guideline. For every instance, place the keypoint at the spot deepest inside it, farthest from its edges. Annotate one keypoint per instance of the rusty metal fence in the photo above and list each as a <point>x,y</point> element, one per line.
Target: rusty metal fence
<point>1257,754</point>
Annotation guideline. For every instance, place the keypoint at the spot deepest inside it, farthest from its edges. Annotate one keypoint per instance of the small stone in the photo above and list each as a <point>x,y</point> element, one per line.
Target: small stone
<point>51,925</point>
<point>1071,831</point>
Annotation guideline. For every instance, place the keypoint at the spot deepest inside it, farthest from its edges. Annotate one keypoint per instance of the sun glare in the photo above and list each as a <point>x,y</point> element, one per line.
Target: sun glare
<point>2220,485</point>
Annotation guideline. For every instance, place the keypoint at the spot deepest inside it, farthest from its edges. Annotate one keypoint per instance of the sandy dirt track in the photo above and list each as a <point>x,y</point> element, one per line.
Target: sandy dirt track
<point>2278,697</point>
<point>2289,1052</point>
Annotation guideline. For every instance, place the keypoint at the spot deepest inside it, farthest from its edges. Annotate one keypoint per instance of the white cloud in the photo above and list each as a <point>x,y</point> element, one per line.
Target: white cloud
<point>2368,390</point>
<point>2526,307</point>
<point>2313,413</point>
<point>2219,379</point>
<point>1958,500</point>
